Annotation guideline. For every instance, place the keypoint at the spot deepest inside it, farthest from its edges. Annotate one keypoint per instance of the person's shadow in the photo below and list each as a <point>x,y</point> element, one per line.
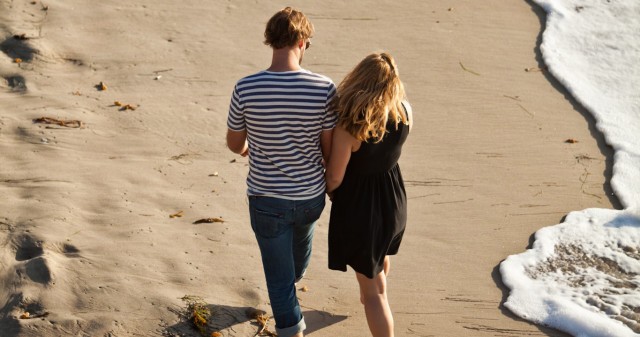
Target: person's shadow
<point>227,318</point>
<point>317,320</point>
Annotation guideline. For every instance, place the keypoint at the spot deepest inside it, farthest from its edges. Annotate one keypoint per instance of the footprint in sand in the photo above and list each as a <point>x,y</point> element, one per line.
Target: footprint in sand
<point>31,250</point>
<point>16,48</point>
<point>15,83</point>
<point>38,268</point>
<point>27,248</point>
<point>38,271</point>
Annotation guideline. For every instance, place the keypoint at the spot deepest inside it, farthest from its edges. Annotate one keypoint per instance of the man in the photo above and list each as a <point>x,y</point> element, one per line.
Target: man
<point>279,118</point>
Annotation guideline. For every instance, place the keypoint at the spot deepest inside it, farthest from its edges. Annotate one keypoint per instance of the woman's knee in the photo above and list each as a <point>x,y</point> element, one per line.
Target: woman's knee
<point>372,288</point>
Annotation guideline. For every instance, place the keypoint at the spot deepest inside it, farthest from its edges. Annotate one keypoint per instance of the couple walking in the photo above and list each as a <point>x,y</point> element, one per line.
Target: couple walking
<point>305,137</point>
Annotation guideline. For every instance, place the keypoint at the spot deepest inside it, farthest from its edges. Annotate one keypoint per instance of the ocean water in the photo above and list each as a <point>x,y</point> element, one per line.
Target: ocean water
<point>583,276</point>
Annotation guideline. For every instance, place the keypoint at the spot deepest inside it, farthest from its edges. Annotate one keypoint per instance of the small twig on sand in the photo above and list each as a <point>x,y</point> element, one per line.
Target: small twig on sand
<point>583,177</point>
<point>162,71</point>
<point>515,98</point>
<point>424,196</point>
<point>178,214</point>
<point>468,70</point>
<point>451,202</point>
<point>583,157</point>
<point>208,220</point>
<point>527,111</point>
<point>583,180</point>
<point>66,123</point>
<point>536,69</point>
<point>591,194</point>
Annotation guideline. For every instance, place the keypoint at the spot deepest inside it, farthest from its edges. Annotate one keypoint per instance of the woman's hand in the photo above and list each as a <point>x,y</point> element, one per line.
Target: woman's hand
<point>330,195</point>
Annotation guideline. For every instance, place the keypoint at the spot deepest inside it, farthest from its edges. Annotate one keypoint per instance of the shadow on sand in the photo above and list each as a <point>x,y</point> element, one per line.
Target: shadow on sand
<point>227,318</point>
<point>317,320</point>
<point>9,325</point>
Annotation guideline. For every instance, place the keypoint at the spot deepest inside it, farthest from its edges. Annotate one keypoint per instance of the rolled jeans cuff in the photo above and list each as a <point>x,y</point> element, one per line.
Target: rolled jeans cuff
<point>292,330</point>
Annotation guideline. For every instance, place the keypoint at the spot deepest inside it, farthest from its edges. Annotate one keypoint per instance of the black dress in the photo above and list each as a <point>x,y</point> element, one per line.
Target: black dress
<point>369,209</point>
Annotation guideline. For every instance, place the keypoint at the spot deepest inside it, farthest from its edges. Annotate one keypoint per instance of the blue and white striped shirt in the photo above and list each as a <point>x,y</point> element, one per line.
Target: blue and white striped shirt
<point>284,114</point>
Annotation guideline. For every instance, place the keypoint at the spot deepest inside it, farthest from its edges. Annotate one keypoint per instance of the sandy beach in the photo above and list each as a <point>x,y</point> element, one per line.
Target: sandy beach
<point>99,227</point>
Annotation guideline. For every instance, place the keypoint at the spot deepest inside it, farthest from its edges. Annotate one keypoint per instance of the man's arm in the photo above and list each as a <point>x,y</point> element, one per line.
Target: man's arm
<point>237,142</point>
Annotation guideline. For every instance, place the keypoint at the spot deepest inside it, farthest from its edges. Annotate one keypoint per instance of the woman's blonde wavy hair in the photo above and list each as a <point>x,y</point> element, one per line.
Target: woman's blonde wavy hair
<point>369,96</point>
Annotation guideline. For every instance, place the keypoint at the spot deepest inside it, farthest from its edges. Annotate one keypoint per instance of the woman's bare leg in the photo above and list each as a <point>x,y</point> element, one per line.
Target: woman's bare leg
<point>387,265</point>
<point>376,306</point>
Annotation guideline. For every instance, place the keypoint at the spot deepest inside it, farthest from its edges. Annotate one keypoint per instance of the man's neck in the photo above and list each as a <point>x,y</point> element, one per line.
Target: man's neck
<point>285,59</point>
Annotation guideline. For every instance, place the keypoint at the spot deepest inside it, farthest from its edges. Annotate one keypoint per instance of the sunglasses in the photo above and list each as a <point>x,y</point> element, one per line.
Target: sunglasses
<point>308,44</point>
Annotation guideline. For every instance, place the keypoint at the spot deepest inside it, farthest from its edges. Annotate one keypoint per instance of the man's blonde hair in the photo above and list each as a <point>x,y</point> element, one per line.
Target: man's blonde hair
<point>369,96</point>
<point>286,28</point>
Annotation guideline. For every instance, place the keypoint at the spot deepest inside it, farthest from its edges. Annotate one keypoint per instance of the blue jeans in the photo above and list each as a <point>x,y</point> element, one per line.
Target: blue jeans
<point>284,230</point>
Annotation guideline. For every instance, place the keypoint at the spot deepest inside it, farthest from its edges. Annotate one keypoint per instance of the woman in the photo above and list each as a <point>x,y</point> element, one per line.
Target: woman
<point>364,182</point>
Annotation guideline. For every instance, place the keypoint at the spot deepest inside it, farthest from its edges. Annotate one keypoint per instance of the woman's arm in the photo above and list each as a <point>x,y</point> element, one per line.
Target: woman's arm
<point>326,138</point>
<point>341,147</point>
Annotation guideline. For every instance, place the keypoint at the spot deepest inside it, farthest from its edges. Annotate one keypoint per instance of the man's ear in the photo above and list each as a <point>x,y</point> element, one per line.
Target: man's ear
<point>301,43</point>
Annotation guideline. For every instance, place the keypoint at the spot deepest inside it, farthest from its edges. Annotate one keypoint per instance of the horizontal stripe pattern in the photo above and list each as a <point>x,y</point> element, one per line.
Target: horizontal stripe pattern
<point>284,114</point>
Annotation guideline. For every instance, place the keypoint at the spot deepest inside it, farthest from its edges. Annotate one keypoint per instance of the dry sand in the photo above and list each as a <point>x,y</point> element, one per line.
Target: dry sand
<point>85,230</point>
